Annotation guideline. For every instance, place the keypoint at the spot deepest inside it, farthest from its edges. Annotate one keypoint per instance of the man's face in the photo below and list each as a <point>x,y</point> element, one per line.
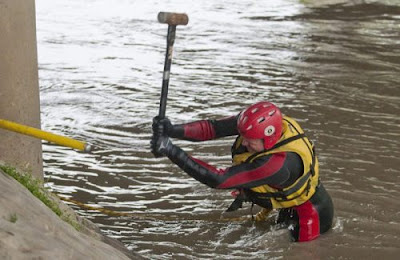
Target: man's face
<point>253,145</point>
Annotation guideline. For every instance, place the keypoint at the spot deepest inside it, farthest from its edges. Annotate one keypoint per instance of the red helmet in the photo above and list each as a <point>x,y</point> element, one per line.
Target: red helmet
<point>262,120</point>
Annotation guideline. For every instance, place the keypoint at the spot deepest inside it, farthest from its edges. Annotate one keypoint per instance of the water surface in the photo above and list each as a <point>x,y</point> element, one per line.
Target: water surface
<point>334,66</point>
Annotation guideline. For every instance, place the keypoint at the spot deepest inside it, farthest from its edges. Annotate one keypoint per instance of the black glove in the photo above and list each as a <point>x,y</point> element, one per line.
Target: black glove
<point>159,127</point>
<point>160,145</point>
<point>165,123</point>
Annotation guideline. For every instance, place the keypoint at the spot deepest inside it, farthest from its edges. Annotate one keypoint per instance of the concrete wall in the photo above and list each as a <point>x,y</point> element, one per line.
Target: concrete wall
<point>19,87</point>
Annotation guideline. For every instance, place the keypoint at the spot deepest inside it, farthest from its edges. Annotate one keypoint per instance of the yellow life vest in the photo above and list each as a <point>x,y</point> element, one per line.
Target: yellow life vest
<point>292,140</point>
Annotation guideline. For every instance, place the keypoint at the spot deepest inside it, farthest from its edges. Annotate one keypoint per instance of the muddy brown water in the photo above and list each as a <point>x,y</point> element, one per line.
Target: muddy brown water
<point>332,65</point>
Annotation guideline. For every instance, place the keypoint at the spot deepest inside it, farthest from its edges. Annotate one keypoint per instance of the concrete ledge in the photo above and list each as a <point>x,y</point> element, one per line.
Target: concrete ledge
<point>30,230</point>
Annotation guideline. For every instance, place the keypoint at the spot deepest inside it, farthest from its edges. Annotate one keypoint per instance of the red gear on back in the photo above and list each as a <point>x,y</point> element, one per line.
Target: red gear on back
<point>262,120</point>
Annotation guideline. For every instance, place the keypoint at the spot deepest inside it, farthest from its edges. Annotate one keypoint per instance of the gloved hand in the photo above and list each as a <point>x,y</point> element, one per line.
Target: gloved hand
<point>160,145</point>
<point>164,125</point>
<point>158,132</point>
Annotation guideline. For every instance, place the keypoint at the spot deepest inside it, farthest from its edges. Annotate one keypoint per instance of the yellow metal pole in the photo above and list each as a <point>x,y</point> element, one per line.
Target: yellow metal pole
<point>37,133</point>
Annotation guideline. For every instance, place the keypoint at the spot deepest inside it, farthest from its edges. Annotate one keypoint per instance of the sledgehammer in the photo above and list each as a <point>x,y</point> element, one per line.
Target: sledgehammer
<point>172,19</point>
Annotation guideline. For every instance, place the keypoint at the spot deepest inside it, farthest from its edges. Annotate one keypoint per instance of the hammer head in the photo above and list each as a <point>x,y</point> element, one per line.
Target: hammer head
<point>173,18</point>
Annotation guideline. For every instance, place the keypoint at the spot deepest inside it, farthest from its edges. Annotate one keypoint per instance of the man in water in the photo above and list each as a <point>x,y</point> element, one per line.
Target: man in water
<point>274,166</point>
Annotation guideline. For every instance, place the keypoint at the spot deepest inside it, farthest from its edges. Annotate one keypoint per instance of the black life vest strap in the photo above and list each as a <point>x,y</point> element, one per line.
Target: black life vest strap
<point>282,195</point>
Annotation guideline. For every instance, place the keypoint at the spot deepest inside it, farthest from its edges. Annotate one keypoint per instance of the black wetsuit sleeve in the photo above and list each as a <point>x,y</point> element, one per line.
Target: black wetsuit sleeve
<point>225,127</point>
<point>278,170</point>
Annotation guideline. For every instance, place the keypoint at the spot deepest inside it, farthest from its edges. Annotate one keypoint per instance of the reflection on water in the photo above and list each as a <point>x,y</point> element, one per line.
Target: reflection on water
<point>333,67</point>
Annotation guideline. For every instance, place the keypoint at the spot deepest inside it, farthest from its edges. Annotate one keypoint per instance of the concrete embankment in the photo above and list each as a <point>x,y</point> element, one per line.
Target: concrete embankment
<point>31,230</point>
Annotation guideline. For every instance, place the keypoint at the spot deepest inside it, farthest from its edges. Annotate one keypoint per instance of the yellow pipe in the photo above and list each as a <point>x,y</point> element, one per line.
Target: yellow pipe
<point>37,133</point>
